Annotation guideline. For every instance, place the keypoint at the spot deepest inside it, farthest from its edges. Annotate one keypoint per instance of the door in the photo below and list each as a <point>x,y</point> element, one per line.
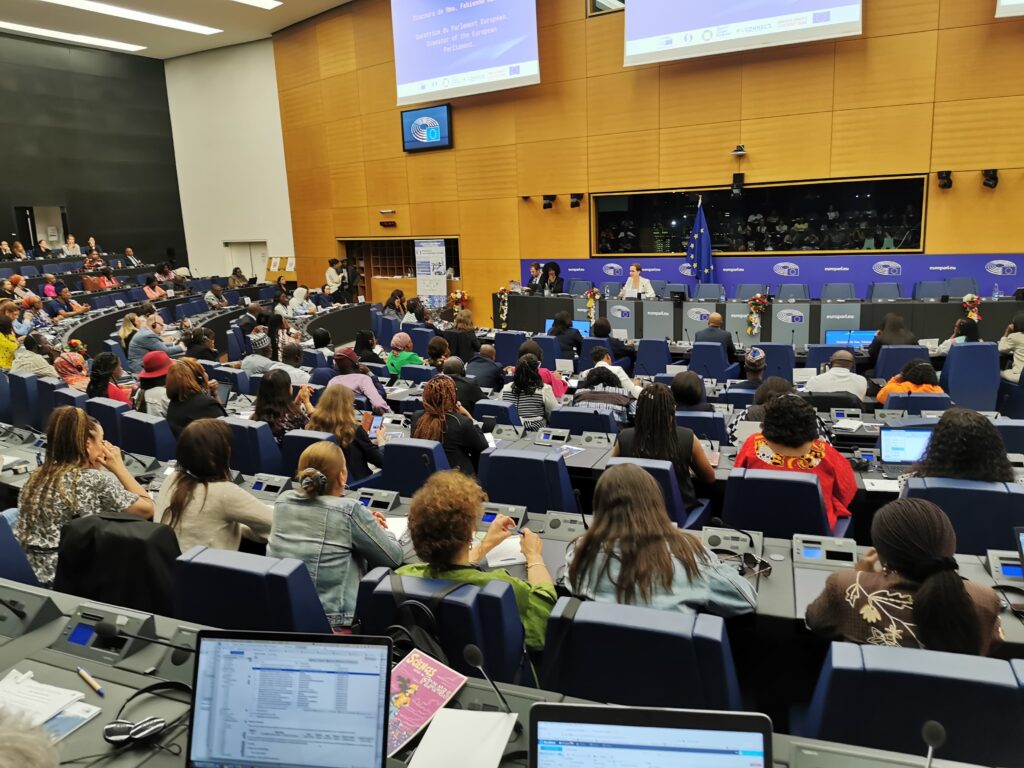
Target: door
<point>251,257</point>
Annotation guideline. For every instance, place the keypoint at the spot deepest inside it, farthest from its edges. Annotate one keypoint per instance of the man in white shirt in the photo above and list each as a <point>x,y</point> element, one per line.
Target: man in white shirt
<point>839,377</point>
<point>603,359</point>
<point>291,359</point>
<point>215,297</point>
<point>332,278</point>
<point>259,361</point>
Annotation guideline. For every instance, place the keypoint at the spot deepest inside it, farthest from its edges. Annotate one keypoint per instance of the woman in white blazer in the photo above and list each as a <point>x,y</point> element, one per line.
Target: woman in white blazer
<point>637,287</point>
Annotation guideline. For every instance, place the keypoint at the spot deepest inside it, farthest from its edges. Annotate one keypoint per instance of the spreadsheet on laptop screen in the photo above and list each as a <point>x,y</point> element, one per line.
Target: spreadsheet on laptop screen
<point>904,446</point>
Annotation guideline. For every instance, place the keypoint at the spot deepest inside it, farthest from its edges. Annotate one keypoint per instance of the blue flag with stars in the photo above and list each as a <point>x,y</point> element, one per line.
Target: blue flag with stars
<point>699,249</point>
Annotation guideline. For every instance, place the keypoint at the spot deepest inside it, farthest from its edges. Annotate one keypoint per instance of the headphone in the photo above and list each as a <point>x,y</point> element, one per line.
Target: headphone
<point>128,733</point>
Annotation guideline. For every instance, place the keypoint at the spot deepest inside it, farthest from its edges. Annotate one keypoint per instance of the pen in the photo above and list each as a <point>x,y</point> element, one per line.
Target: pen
<point>90,681</point>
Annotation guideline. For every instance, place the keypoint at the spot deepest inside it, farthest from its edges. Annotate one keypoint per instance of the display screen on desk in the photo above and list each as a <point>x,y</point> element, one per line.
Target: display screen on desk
<point>1013,570</point>
<point>812,553</point>
<point>855,339</point>
<point>82,634</point>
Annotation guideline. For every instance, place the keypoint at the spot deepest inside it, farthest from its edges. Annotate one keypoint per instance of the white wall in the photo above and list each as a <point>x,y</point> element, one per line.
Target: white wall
<point>229,152</point>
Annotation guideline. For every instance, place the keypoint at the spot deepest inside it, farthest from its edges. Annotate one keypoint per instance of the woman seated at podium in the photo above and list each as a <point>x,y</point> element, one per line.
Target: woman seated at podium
<point>633,554</point>
<point>552,281</point>
<point>905,591</point>
<point>637,287</point>
<point>443,519</point>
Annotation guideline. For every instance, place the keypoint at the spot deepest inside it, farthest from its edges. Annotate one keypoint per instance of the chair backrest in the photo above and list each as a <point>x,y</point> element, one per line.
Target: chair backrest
<point>694,670</point>
<point>610,288</point>
<point>589,345</point>
<point>577,286</point>
<point>795,291</point>
<point>680,288</point>
<point>388,327</point>
<point>147,435</point>
<point>68,396</point>
<point>779,504</point>
<point>238,590</point>
<point>24,400</point>
<point>46,386</point>
<point>652,357</point>
<point>580,419</point>
<point>780,359</point>
<point>551,350</point>
<point>28,270</point>
<point>971,375</point>
<point>485,616</point>
<point>322,376</point>
<point>932,685</point>
<point>836,291</point>
<point>740,397</point>
<point>961,286</point>
<point>108,413</point>
<point>708,359</point>
<point>506,346</point>
<point>14,564</point>
<point>417,374</point>
<point>237,378</point>
<point>1011,430</point>
<point>709,292</point>
<point>659,286</point>
<point>664,472</point>
<point>295,442</point>
<point>821,353</point>
<point>825,401</point>
<point>503,413</point>
<point>883,291</point>
<point>893,357</point>
<point>925,290</point>
<point>5,398</point>
<point>420,339</point>
<point>114,347</point>
<point>705,425</point>
<point>745,290</point>
<point>408,463</point>
<point>983,514</point>
<point>502,471</point>
<point>236,344</point>
<point>254,449</point>
<point>914,404</point>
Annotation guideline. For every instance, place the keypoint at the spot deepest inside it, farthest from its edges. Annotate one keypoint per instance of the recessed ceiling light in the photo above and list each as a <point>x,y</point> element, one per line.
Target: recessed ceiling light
<point>132,15</point>
<point>71,38</point>
<point>264,4</point>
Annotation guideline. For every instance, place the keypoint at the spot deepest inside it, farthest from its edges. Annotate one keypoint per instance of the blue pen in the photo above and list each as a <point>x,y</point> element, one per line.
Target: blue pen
<point>90,681</point>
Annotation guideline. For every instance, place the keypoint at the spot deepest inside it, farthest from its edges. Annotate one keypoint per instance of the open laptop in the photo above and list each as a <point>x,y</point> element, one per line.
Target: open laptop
<point>224,392</point>
<point>901,448</point>
<point>276,699</point>
<point>637,737</point>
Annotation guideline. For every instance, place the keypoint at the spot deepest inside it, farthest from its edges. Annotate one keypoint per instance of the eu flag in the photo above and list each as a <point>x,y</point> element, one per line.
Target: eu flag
<point>699,250</point>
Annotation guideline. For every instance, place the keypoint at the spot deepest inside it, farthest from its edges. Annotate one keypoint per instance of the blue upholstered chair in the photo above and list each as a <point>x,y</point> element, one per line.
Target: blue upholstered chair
<point>961,286</point>
<point>794,291</point>
<point>780,359</point>
<point>652,357</point>
<point>295,442</point>
<point>929,290</point>
<point>705,425</point>
<point>971,375</point>
<point>838,292</point>
<point>1012,432</point>
<point>578,287</point>
<point>14,564</point>
<point>506,346</point>
<point>892,358</point>
<point>254,448</point>
<point>148,435</point>
<point>745,290</point>
<point>884,291</point>
<point>821,353</point>
<point>708,359</point>
<point>68,396</point>
<point>913,404</point>
<point>24,400</point>
<point>664,472</point>
<point>502,471</point>
<point>503,413</point>
<point>420,340</point>
<point>580,419</point>
<point>408,463</point>
<point>709,292</point>
<point>983,514</point>
<point>417,374</point>
<point>779,504</point>
<point>108,413</point>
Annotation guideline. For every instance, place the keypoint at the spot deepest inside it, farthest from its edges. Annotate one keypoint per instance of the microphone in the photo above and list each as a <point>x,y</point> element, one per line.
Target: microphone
<point>719,523</point>
<point>792,337</point>
<point>934,735</point>
<point>13,608</point>
<point>737,335</point>
<point>108,631</point>
<point>475,658</point>
<point>687,333</point>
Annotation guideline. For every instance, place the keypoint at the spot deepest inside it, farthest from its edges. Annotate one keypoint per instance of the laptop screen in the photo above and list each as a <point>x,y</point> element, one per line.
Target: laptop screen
<point>904,446</point>
<point>289,700</point>
<point>854,339</point>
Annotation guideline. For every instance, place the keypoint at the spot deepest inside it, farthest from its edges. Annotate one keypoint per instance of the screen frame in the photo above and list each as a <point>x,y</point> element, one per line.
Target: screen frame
<point>889,430</point>
<point>1019,535</point>
<point>447,107</point>
<point>286,637</point>
<point>650,717</point>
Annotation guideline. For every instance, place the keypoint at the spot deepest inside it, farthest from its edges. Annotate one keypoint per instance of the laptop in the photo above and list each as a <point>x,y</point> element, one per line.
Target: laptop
<point>277,699</point>
<point>901,448</point>
<point>638,737</point>
<point>224,392</point>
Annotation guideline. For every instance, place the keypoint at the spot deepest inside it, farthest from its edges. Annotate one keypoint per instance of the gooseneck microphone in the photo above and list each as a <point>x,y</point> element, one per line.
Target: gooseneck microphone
<point>687,333</point>
<point>934,735</point>
<point>108,631</point>
<point>792,337</point>
<point>474,657</point>
<point>719,523</point>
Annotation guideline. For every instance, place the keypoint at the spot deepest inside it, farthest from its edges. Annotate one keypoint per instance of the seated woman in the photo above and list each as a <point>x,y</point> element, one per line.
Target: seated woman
<point>130,325</point>
<point>359,379</point>
<point>964,330</point>
<point>414,311</point>
<point>322,339</point>
<point>201,501</point>
<point>189,395</point>
<point>276,406</point>
<point>437,352</point>
<point>81,474</point>
<point>73,370</point>
<point>394,307</point>
<point>553,379</point>
<point>965,446</point>
<point>892,331</point>
<point>401,353</point>
<point>637,286</point>
<point>1013,343</point>
<point>602,329</point>
<point>444,420</point>
<point>917,377</point>
<point>600,390</point>
<point>151,396</point>
<point>462,340</point>
<point>532,398</point>
<point>106,369</point>
<point>336,413</point>
<point>443,519</point>
<point>237,279</point>
<point>300,303</point>
<point>657,436</point>
<point>789,442</point>
<point>634,555</point>
<point>770,388</point>
<point>905,591</point>
<point>569,339</point>
<point>688,392</point>
<point>337,538</point>
<point>107,279</point>
<point>201,344</point>
<point>153,290</point>
<point>367,349</point>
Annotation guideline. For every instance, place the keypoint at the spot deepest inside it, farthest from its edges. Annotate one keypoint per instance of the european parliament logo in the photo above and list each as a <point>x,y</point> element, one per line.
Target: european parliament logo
<point>700,315</point>
<point>1001,267</point>
<point>791,316</point>
<point>887,268</point>
<point>621,312</point>
<point>686,269</point>
<point>612,270</point>
<point>425,129</point>
<point>787,269</point>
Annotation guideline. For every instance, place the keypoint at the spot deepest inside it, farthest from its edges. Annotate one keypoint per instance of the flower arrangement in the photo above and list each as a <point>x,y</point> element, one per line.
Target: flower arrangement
<point>503,293</point>
<point>758,304</point>
<point>458,300</point>
<point>971,303</point>
<point>77,346</point>
<point>591,295</point>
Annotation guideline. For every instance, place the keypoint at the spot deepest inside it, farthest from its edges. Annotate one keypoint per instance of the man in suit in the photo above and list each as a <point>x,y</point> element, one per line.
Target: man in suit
<point>248,319</point>
<point>468,390</point>
<point>716,333</point>
<point>148,339</point>
<point>536,278</point>
<point>484,368</point>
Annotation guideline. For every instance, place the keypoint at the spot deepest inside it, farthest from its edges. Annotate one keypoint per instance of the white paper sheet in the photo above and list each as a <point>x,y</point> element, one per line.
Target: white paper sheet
<point>36,701</point>
<point>464,737</point>
<point>881,484</point>
<point>506,554</point>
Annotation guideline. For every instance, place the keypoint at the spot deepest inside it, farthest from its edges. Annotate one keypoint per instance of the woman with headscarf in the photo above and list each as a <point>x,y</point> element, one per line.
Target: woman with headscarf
<point>300,303</point>
<point>401,353</point>
<point>443,419</point>
<point>71,367</point>
<point>21,290</point>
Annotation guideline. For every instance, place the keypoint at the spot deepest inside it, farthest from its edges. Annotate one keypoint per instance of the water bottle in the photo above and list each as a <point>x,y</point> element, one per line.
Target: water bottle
<point>996,294</point>
<point>607,292</point>
<point>722,296</point>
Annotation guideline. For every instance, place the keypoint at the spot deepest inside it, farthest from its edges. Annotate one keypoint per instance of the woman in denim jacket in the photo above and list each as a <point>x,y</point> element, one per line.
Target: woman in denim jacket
<point>338,539</point>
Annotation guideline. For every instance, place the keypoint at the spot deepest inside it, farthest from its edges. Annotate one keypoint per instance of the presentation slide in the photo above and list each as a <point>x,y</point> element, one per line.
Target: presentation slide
<point>444,50</point>
<point>1005,8</point>
<point>665,30</point>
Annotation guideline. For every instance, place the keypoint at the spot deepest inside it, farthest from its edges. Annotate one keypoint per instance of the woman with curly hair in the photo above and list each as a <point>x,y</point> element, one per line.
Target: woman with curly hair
<point>445,420</point>
<point>789,442</point>
<point>966,446</point>
<point>443,519</point>
<point>917,377</point>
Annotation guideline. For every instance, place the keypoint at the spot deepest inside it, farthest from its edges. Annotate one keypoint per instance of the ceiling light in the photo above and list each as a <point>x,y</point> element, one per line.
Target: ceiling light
<point>127,13</point>
<point>68,37</point>
<point>264,4</point>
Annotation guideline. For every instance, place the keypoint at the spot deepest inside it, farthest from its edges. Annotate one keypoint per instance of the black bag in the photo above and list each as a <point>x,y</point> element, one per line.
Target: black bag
<point>415,626</point>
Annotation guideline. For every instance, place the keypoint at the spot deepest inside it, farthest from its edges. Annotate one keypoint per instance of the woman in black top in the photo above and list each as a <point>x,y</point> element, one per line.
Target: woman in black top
<point>688,392</point>
<point>276,406</point>
<point>602,329</point>
<point>892,331</point>
<point>462,340</point>
<point>365,342</point>
<point>656,436</point>
<point>552,281</point>
<point>570,341</point>
<point>188,393</point>
<point>201,345</point>
<point>444,420</point>
<point>336,413</point>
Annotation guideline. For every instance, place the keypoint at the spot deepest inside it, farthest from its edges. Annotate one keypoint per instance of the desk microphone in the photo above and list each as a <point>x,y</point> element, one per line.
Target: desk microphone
<point>475,658</point>
<point>719,523</point>
<point>687,333</point>
<point>934,735</point>
<point>792,337</point>
<point>108,631</point>
<point>13,608</point>
<point>737,335</point>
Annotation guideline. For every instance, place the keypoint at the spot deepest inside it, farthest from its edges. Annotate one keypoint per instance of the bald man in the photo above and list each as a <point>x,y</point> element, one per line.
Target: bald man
<point>717,334</point>
<point>840,377</point>
<point>485,370</point>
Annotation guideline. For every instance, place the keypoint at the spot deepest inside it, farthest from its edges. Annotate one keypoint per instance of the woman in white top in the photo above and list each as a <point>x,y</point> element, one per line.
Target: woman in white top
<point>200,502</point>
<point>964,330</point>
<point>637,287</point>
<point>1013,341</point>
<point>300,303</point>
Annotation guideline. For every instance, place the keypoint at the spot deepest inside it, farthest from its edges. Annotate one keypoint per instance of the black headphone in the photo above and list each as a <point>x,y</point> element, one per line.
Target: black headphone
<point>128,733</point>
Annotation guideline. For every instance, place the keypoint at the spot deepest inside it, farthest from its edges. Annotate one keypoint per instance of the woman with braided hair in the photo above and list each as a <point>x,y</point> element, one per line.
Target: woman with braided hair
<point>906,590</point>
<point>106,370</point>
<point>334,536</point>
<point>444,420</point>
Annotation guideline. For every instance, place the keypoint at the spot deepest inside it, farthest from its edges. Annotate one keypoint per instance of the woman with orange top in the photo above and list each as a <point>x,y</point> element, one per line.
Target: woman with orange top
<point>917,378</point>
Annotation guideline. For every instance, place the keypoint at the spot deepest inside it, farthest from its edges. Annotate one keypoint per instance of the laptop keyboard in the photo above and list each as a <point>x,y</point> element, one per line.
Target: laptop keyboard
<point>892,471</point>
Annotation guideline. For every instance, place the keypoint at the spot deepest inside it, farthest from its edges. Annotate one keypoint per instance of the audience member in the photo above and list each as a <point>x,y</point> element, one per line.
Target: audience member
<point>840,377</point>
<point>148,339</point>
<point>33,356</point>
<point>444,420</point>
<point>106,369</point>
<point>462,340</point>
<point>443,519</point>
<point>130,324</point>
<point>357,378</point>
<point>602,358</point>
<point>259,361</point>
<point>394,307</point>
<point>637,286</point>
<point>336,413</point>
<point>753,369</point>
<point>437,352</point>
<point>965,446</point>
<point>602,329</point>
<point>189,395</point>
<point>81,474</point>
<point>964,330</point>
<point>553,282</point>
<point>892,331</point>
<point>151,396</point>
<point>537,278</point>
<point>569,339</point>
<point>63,306</point>
<point>337,538</point>
<point>248,319</point>
<point>21,290</point>
<point>8,342</point>
<point>415,312</point>
<point>485,370</point>
<point>153,290</point>
<point>200,344</point>
<point>18,253</point>
<point>237,279</point>
<point>633,554</point>
<point>1013,343</point>
<point>367,349</point>
<point>688,392</point>
<point>107,279</point>
<point>917,377</point>
<point>214,297</point>
<point>552,378</point>
<point>281,305</point>
<point>35,314</point>
<point>300,303</point>
<point>600,391</point>
<point>49,287</point>
<point>91,245</point>
<point>72,368</point>
<point>401,353</point>
<point>93,261</point>
<point>291,363</point>
<point>7,289</point>
<point>532,398</point>
<point>25,745</point>
<point>277,407</point>
<point>789,442</point>
<point>165,274</point>
<point>332,279</point>
<point>281,284</point>
<point>201,501</point>
<point>279,331</point>
<point>71,248</point>
<point>905,591</point>
<point>41,251</point>
<point>467,390</point>
<point>6,253</point>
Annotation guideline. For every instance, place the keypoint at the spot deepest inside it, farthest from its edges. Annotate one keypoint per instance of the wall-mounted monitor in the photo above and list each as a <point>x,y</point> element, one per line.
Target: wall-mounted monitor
<point>1006,8</point>
<point>665,30</point>
<point>427,128</point>
<point>449,49</point>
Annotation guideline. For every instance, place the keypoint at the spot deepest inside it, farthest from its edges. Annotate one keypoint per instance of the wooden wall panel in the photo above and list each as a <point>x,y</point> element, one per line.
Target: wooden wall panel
<point>627,101</point>
<point>313,231</point>
<point>798,145</point>
<point>895,18</point>
<point>559,12</point>
<point>432,177</point>
<point>985,220</point>
<point>305,147</point>
<point>605,44</point>
<point>336,44</point>
<point>302,105</point>
<point>348,186</point>
<point>371,23</point>
<point>623,161</point>
<point>377,91</point>
<point>386,183</point>
<point>788,81</point>
<point>351,223</point>
<point>344,142</point>
<point>340,96</point>
<point>310,188</point>
<point>964,13</point>
<point>981,62</point>
<point>701,91</point>
<point>977,134</point>
<point>488,120</point>
<point>699,154</point>
<point>555,233</point>
<point>489,229</point>
<point>563,51</point>
<point>552,167</point>
<point>484,173</point>
<point>434,219</point>
<point>882,71</point>
<point>881,141</point>
<point>382,135</point>
<point>296,57</point>
<point>551,111</point>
